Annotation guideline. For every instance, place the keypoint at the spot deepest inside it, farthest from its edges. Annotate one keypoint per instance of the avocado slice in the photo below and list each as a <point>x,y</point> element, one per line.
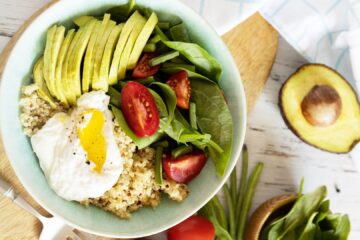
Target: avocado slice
<point>97,83</point>
<point>66,81</point>
<point>88,68</point>
<point>77,56</point>
<point>82,20</point>
<point>47,58</point>
<point>39,80</point>
<point>129,47</point>
<point>108,54</point>
<point>120,46</point>
<point>55,49</point>
<point>321,108</point>
<point>59,65</point>
<point>142,40</point>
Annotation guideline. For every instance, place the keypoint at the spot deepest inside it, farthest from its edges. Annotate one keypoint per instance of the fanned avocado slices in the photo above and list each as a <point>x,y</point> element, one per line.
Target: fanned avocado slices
<point>82,20</point>
<point>59,65</point>
<point>124,35</point>
<point>40,83</point>
<point>66,81</point>
<point>321,108</point>
<point>77,56</point>
<point>55,49</point>
<point>47,59</point>
<point>88,68</point>
<point>97,83</point>
<point>142,40</point>
<point>108,54</point>
<point>129,47</point>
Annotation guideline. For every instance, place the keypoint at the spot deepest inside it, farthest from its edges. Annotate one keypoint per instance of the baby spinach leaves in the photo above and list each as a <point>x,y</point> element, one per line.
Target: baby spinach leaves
<point>198,56</point>
<point>213,117</point>
<point>309,219</point>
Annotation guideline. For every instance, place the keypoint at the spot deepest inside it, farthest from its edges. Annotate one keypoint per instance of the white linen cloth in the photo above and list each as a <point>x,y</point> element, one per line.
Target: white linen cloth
<point>323,31</point>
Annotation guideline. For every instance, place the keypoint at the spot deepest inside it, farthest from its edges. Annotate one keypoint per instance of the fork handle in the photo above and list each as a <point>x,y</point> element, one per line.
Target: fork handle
<point>7,190</point>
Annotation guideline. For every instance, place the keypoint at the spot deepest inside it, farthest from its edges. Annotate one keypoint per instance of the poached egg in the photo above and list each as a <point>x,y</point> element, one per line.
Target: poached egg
<point>78,152</point>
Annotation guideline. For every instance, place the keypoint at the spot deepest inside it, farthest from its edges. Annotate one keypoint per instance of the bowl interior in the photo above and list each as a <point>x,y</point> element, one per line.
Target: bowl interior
<point>146,221</point>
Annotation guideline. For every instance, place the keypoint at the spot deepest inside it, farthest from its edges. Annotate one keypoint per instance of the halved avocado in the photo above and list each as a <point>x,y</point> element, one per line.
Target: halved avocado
<point>321,108</point>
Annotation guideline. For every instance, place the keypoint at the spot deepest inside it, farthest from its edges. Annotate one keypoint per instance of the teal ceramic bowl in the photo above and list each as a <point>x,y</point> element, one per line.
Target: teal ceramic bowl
<point>146,221</point>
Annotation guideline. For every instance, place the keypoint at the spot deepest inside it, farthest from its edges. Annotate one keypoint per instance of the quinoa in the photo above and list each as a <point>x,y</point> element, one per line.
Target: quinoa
<point>35,111</point>
<point>136,186</point>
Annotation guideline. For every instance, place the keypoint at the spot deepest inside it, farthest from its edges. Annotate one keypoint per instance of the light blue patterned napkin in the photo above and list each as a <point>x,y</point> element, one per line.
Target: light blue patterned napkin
<point>323,31</point>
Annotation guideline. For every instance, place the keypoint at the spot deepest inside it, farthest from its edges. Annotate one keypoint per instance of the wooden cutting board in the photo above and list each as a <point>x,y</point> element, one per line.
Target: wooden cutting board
<point>253,44</point>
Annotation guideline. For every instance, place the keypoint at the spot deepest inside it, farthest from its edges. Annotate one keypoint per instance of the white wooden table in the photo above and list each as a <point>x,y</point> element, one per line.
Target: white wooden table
<point>286,158</point>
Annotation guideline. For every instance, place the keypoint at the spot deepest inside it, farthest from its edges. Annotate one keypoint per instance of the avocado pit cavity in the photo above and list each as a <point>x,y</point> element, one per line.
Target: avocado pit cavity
<point>321,107</point>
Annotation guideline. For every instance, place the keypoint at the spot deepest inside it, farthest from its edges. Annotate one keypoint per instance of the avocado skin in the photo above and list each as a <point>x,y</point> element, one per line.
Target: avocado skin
<point>288,123</point>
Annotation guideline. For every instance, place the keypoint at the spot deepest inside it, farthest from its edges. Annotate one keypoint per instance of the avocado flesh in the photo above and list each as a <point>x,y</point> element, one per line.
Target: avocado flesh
<point>88,61</point>
<point>142,40</point>
<point>59,65</point>
<point>108,54</point>
<point>124,35</point>
<point>129,47</point>
<point>66,82</point>
<point>338,137</point>
<point>82,20</point>
<point>97,82</point>
<point>55,49</point>
<point>39,80</point>
<point>47,59</point>
<point>76,58</point>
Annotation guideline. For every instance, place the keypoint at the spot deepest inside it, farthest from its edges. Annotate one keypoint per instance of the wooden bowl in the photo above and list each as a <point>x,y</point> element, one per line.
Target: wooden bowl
<point>268,211</point>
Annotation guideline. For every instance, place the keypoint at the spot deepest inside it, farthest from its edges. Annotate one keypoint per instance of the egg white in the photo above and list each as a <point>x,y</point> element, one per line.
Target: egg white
<point>64,161</point>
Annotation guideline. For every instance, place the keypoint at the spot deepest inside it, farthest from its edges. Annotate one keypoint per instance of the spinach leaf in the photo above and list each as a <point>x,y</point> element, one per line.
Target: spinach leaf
<point>335,226</point>
<point>309,231</point>
<point>140,142</point>
<point>170,100</point>
<point>181,131</point>
<point>174,69</point>
<point>162,109</point>
<point>299,214</point>
<point>179,32</point>
<point>122,12</point>
<point>204,62</point>
<point>213,117</point>
<point>115,97</point>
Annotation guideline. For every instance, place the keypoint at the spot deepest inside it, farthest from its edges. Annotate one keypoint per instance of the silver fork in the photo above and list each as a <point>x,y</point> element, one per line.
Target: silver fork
<point>53,228</point>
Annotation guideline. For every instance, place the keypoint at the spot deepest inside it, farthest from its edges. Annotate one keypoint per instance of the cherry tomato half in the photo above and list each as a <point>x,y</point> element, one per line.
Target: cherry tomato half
<point>194,228</point>
<point>139,109</point>
<point>180,83</point>
<point>184,168</point>
<point>142,69</point>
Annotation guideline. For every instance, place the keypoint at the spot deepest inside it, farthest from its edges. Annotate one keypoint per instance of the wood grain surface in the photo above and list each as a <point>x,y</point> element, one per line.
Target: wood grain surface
<point>253,44</point>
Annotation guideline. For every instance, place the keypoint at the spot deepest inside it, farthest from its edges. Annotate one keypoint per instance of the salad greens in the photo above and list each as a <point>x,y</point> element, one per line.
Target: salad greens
<point>310,218</point>
<point>205,63</point>
<point>213,117</point>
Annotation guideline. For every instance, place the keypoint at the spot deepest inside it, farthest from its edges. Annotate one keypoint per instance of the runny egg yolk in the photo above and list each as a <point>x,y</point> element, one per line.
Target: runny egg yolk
<point>92,139</point>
